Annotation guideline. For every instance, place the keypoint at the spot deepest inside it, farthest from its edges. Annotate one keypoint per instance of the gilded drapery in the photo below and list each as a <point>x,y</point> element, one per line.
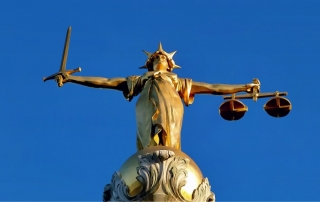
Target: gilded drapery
<point>159,109</point>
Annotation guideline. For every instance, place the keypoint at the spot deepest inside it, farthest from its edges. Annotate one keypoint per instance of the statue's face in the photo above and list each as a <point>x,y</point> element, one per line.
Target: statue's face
<point>160,62</point>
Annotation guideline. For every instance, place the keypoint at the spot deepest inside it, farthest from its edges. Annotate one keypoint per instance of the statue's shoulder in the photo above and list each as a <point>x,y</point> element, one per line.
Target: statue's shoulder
<point>133,77</point>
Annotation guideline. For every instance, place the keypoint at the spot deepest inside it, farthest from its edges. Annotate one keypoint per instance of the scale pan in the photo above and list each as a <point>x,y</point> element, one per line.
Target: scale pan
<point>232,110</point>
<point>278,107</point>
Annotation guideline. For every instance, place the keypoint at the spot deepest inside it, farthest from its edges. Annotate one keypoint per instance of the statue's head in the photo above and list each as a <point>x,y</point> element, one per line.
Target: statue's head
<point>160,60</point>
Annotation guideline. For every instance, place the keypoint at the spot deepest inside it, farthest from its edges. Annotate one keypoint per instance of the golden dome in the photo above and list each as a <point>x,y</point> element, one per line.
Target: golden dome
<point>128,172</point>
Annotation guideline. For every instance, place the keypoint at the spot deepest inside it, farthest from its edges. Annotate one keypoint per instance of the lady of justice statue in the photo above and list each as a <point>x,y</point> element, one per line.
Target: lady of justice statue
<point>159,171</point>
<point>159,109</point>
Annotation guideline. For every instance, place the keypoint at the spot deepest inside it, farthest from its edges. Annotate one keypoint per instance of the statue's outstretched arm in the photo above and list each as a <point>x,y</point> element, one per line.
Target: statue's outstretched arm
<point>99,82</point>
<point>220,89</point>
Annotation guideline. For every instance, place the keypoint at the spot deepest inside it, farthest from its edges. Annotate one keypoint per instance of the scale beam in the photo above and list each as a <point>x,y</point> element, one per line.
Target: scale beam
<point>261,95</point>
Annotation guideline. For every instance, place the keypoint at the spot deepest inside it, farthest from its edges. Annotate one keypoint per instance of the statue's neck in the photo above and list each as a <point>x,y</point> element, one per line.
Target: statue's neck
<point>160,67</point>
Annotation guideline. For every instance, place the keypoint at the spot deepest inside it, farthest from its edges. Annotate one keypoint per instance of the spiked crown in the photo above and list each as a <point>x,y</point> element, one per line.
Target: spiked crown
<point>160,51</point>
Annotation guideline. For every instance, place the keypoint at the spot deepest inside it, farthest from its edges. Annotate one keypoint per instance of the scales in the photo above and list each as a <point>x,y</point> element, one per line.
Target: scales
<point>233,109</point>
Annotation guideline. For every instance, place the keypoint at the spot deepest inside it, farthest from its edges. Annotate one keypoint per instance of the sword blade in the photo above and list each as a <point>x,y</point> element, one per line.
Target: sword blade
<point>65,51</point>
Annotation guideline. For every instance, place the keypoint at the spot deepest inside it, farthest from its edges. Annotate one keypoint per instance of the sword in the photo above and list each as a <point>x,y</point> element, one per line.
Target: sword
<point>62,71</point>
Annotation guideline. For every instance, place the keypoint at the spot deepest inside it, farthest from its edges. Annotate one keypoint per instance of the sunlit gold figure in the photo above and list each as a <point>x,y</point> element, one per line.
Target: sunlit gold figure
<point>159,109</point>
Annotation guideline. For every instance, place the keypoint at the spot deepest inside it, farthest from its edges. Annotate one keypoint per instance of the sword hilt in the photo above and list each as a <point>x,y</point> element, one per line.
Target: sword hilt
<point>59,80</point>
<point>61,75</point>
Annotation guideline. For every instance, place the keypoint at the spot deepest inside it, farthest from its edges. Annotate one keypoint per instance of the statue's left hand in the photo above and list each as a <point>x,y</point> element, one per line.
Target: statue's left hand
<point>253,87</point>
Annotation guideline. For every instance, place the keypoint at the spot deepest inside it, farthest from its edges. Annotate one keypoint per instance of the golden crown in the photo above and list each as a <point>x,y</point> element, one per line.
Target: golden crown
<point>160,50</point>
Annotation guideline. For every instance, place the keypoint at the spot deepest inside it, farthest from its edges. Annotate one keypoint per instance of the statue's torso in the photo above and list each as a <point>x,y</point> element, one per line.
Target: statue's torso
<point>160,105</point>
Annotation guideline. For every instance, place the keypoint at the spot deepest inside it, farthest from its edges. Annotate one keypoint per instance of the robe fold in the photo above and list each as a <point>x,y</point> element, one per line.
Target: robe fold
<point>159,109</point>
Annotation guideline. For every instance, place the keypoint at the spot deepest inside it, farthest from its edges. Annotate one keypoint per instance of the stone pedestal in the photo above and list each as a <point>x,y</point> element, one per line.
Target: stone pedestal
<point>159,174</point>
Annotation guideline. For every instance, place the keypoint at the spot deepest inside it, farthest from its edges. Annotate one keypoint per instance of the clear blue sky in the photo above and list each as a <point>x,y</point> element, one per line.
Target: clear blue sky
<point>65,143</point>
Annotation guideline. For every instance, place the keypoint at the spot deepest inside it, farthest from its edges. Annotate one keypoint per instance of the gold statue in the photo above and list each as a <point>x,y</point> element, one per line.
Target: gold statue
<point>159,109</point>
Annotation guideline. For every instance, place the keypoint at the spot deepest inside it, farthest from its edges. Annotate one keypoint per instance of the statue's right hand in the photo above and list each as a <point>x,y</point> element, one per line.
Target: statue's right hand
<point>61,79</point>
<point>62,76</point>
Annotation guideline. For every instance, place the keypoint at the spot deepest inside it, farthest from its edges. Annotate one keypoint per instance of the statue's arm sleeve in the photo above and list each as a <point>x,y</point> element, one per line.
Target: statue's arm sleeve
<point>134,87</point>
<point>184,90</point>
